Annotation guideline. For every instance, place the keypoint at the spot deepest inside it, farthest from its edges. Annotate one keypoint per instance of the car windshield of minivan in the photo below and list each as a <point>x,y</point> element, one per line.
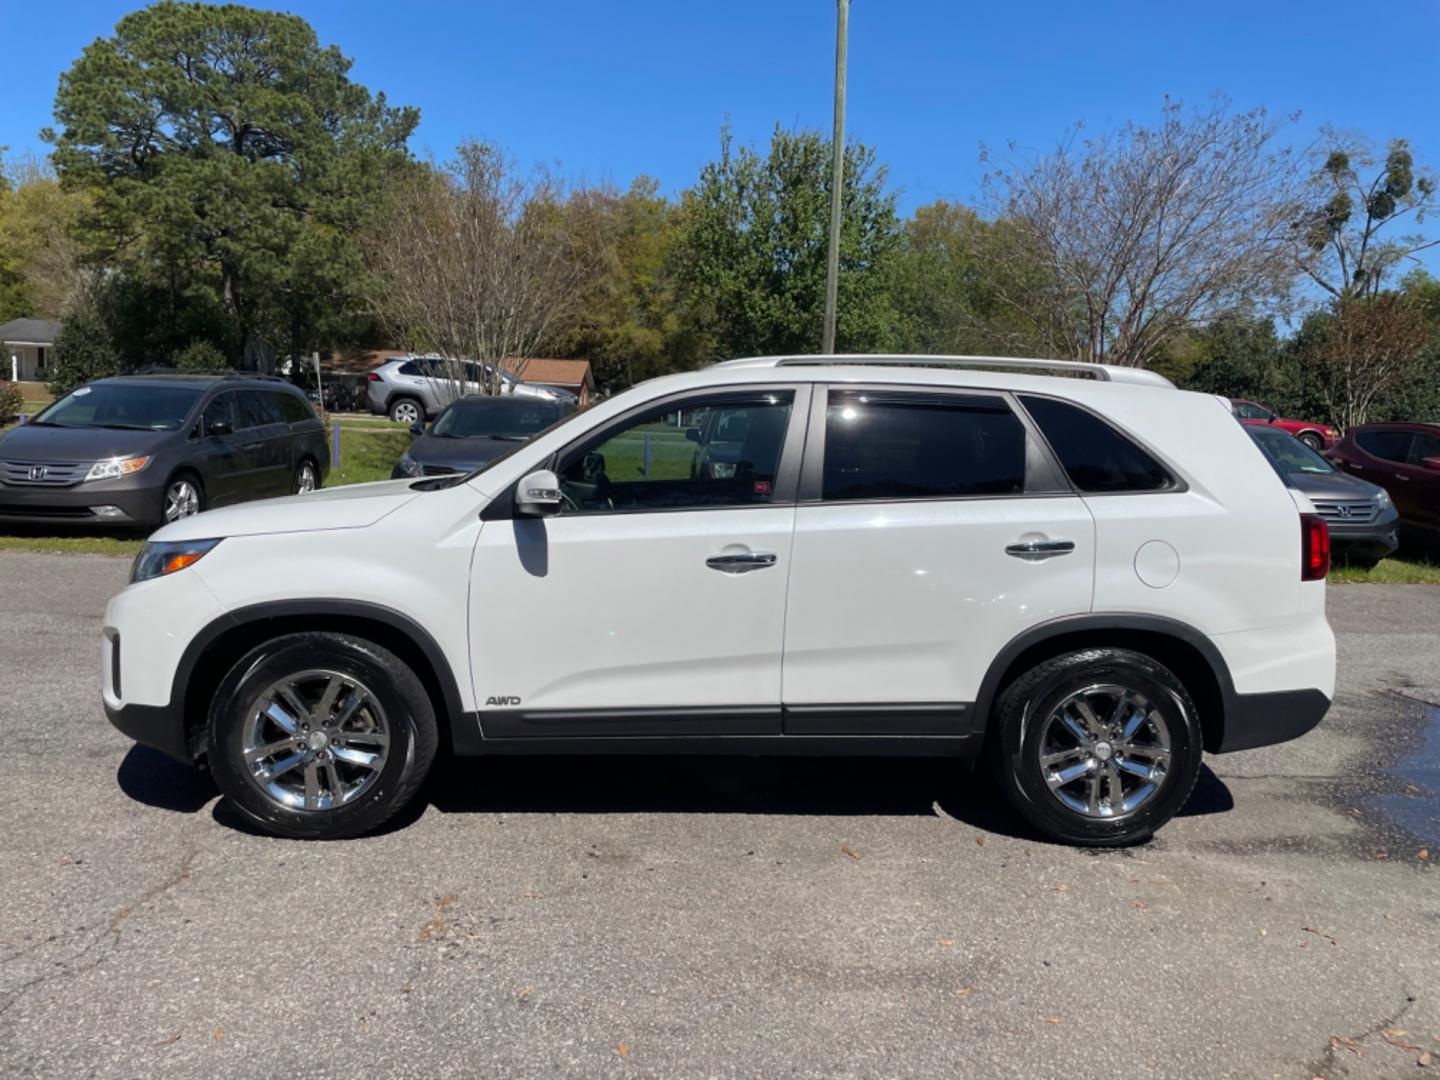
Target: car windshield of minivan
<point>127,406</point>
<point>1291,455</point>
<point>494,420</point>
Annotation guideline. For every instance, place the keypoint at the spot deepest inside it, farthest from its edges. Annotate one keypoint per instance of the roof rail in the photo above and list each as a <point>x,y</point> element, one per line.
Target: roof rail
<point>1102,372</point>
<point>233,374</point>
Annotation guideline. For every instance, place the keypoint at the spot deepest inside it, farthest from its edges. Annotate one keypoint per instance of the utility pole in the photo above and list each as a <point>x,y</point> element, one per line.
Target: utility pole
<point>837,178</point>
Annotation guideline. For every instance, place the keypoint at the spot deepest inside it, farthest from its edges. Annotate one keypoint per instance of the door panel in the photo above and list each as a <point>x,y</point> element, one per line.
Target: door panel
<point>908,602</point>
<point>220,456</point>
<point>611,611</point>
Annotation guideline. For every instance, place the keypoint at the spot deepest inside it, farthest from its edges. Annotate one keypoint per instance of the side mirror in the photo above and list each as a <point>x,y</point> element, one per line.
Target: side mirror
<point>538,495</point>
<point>692,434</point>
<point>417,429</point>
<point>220,427</point>
<point>1431,463</point>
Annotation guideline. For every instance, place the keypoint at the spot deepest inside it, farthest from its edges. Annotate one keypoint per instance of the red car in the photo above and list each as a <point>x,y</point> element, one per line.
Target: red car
<point>1404,459</point>
<point>1315,436</point>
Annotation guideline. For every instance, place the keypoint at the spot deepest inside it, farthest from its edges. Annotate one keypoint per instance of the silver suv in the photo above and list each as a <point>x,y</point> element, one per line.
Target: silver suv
<point>411,389</point>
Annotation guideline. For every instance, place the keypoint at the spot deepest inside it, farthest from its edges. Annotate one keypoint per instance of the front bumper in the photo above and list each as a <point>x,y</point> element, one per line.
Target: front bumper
<point>80,504</point>
<point>1369,540</point>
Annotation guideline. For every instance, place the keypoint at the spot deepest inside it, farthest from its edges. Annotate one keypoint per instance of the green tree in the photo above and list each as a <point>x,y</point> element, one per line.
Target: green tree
<point>201,357</point>
<point>230,154</point>
<point>1237,356</point>
<point>37,242</point>
<point>84,350</point>
<point>14,299</point>
<point>751,250</point>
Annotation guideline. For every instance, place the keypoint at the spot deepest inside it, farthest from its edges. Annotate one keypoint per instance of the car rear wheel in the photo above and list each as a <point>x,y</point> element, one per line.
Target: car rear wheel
<point>321,735</point>
<point>1097,748</point>
<point>406,411</point>
<point>184,498</point>
<point>306,478</point>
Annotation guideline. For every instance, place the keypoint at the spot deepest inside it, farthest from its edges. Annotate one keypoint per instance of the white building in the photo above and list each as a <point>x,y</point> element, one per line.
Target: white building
<point>25,348</point>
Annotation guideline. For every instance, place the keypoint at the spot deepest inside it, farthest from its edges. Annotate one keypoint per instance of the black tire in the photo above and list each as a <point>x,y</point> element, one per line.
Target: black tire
<point>409,721</point>
<point>297,481</point>
<point>1312,440</point>
<point>1019,727</point>
<point>398,410</point>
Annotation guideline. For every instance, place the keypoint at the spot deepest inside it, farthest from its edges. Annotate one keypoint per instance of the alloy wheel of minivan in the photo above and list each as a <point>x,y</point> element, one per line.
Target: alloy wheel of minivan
<point>182,499</point>
<point>305,479</point>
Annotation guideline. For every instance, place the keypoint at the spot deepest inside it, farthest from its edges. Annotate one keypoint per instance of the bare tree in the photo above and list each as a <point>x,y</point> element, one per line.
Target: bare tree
<point>479,263</point>
<point>1365,348</point>
<point>1344,252</point>
<point>1147,231</point>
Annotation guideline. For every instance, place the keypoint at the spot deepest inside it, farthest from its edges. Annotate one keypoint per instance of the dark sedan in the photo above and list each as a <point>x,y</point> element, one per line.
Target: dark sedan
<point>475,430</point>
<point>144,450</point>
<point>1364,525</point>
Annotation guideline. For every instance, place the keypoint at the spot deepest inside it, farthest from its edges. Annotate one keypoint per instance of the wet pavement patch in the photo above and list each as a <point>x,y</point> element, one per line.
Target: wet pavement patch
<point>1411,801</point>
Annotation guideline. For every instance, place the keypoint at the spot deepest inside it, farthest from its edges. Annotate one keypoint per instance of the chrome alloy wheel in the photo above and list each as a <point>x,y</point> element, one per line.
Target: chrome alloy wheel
<point>182,500</point>
<point>1104,751</point>
<point>305,481</point>
<point>315,740</point>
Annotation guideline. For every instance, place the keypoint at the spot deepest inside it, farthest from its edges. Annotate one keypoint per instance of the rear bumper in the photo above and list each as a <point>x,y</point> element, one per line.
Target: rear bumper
<point>1253,720</point>
<point>80,505</point>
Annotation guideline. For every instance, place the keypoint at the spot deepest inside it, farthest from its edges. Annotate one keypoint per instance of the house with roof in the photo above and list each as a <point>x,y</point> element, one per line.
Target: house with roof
<point>26,346</point>
<point>574,376</point>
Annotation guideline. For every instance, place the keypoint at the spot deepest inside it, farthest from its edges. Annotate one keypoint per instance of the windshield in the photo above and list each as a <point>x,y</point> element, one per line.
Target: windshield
<point>564,419</point>
<point>494,419</point>
<point>138,406</point>
<point>1290,454</point>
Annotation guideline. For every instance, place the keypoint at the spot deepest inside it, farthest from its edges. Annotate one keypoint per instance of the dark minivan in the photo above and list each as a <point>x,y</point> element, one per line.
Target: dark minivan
<point>143,450</point>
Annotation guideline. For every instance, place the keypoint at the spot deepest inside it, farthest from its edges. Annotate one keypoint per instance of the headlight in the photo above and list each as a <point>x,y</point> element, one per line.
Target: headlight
<point>1382,501</point>
<point>408,465</point>
<point>158,558</point>
<point>116,467</point>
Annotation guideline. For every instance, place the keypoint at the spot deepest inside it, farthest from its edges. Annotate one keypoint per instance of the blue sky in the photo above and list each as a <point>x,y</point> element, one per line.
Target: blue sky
<point>613,90</point>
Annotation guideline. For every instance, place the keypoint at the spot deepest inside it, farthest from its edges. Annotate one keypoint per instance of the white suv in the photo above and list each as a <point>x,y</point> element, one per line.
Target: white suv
<point>1080,571</point>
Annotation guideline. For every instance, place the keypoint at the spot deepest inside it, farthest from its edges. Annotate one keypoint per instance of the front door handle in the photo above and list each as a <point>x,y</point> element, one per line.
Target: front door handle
<point>742,563</point>
<point>1035,550</point>
<point>251,445</point>
<point>1401,476</point>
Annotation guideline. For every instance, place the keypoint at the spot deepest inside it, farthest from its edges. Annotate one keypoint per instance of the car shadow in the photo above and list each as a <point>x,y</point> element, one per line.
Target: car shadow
<point>645,784</point>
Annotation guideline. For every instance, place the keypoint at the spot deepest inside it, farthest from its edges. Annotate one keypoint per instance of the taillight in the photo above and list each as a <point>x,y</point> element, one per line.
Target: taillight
<point>372,376</point>
<point>1314,547</point>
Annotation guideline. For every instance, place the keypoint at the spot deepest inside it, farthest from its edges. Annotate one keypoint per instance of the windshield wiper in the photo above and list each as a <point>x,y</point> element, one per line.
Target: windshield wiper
<point>123,427</point>
<point>511,438</point>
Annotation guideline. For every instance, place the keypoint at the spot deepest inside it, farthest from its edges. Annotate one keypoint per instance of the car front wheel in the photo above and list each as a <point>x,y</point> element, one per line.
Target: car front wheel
<point>183,498</point>
<point>1099,747</point>
<point>321,735</point>
<point>306,478</point>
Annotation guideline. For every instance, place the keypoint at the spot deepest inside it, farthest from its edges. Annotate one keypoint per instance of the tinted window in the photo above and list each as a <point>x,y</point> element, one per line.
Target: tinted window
<point>221,410</point>
<point>1390,445</point>
<point>123,405</point>
<point>1248,410</point>
<point>506,418</point>
<point>258,408</point>
<point>1288,453</point>
<point>410,368</point>
<point>674,458</point>
<point>292,407</point>
<point>1424,446</point>
<point>1096,457</point>
<point>912,446</point>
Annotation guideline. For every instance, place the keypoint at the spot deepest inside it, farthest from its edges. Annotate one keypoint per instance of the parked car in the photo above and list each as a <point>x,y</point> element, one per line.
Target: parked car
<point>1405,458</point>
<point>413,388</point>
<point>1364,525</point>
<point>142,450</point>
<point>1316,436</point>
<point>473,431</point>
<point>1088,581</point>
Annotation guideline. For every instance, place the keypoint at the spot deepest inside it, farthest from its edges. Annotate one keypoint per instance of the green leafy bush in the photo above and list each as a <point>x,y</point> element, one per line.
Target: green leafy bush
<point>201,357</point>
<point>83,351</point>
<point>12,402</point>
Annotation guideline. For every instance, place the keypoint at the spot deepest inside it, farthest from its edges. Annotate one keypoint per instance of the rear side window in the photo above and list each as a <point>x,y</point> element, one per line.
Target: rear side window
<point>1390,445</point>
<point>901,446</point>
<point>1095,456</point>
<point>258,408</point>
<point>292,407</point>
<point>1424,446</point>
<point>410,368</point>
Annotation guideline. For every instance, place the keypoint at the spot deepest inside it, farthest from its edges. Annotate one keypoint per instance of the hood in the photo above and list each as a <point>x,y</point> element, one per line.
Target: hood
<point>351,507</point>
<point>36,442</point>
<point>1334,487</point>
<point>460,454</point>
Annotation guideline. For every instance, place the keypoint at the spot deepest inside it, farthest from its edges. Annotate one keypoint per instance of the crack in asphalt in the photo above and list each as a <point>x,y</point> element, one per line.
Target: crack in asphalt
<point>1330,1059</point>
<point>110,936</point>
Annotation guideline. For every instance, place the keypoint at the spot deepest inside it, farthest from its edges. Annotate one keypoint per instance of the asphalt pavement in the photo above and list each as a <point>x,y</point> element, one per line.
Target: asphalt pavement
<point>702,917</point>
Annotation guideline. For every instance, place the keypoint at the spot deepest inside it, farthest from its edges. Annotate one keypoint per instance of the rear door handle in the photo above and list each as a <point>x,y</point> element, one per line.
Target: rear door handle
<point>1401,476</point>
<point>742,563</point>
<point>1035,550</point>
<point>251,445</point>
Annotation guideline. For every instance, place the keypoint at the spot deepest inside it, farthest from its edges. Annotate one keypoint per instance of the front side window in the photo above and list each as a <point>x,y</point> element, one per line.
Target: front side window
<point>219,417</point>
<point>1096,457</point>
<point>1389,445</point>
<point>1424,446</point>
<point>720,452</point>
<point>1248,410</point>
<point>908,446</point>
